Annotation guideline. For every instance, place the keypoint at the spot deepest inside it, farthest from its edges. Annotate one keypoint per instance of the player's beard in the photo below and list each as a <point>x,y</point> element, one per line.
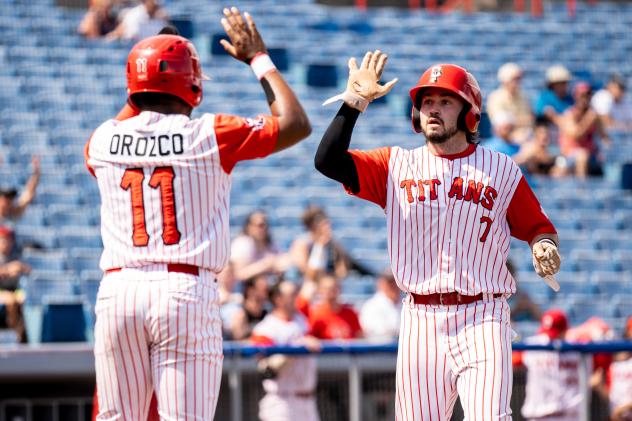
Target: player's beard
<point>438,138</point>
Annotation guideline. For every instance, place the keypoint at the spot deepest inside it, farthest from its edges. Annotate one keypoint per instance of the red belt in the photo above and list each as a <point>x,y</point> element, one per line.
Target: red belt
<point>171,267</point>
<point>302,395</point>
<point>448,298</point>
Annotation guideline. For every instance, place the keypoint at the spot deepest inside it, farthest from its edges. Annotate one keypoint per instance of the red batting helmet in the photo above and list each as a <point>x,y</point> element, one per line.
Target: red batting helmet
<point>167,64</point>
<point>553,323</point>
<point>456,80</point>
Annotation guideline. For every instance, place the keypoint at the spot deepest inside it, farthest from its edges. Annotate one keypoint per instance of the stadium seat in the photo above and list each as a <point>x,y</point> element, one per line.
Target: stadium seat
<point>322,75</point>
<point>184,25</point>
<point>216,47</point>
<point>280,57</point>
<point>63,321</point>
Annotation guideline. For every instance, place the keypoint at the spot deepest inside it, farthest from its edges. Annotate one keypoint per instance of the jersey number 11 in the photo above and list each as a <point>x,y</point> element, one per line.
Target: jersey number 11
<point>162,178</point>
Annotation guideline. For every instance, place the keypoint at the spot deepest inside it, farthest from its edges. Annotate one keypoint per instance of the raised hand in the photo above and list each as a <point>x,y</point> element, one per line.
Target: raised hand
<point>245,40</point>
<point>363,83</point>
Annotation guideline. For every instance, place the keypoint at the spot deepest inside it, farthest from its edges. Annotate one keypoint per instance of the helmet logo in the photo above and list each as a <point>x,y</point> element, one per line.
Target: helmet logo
<point>141,65</point>
<point>435,73</point>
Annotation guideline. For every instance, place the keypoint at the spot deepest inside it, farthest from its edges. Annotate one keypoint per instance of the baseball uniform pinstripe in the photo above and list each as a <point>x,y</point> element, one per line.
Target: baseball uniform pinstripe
<point>164,182</point>
<point>291,395</point>
<point>553,392</point>
<point>620,373</point>
<point>449,222</point>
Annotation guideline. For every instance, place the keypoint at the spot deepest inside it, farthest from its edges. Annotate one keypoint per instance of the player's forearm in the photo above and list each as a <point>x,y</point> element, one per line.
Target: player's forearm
<point>294,124</point>
<point>29,193</point>
<point>333,158</point>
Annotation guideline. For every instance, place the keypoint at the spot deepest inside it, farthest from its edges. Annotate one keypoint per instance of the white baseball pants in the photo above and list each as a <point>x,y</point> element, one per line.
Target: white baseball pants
<point>457,350</point>
<point>158,331</point>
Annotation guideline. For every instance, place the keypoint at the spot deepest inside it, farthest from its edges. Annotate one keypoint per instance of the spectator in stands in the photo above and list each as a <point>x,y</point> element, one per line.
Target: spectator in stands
<point>535,157</point>
<point>253,253</point>
<point>331,319</point>
<point>578,127</point>
<point>553,101</point>
<point>289,382</point>
<point>380,314</point>
<point>503,141</point>
<point>100,19</point>
<point>141,21</point>
<point>317,252</point>
<point>11,269</point>
<point>252,310</point>
<point>613,106</point>
<point>12,208</point>
<point>509,98</point>
<point>620,384</point>
<point>230,302</point>
<point>552,390</point>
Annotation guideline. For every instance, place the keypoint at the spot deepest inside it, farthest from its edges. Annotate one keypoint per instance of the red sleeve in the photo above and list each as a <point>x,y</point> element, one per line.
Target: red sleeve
<point>240,138</point>
<point>302,305</point>
<point>128,111</point>
<point>516,358</point>
<point>525,215</point>
<point>352,318</point>
<point>372,169</point>
<point>261,340</point>
<point>86,156</point>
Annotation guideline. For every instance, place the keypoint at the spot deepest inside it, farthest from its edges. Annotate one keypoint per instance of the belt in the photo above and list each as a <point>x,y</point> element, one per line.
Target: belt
<point>448,298</point>
<point>171,267</point>
<point>302,395</point>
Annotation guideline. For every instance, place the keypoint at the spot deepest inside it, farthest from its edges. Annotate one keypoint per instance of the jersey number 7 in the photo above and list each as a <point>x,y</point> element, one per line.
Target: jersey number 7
<point>161,178</point>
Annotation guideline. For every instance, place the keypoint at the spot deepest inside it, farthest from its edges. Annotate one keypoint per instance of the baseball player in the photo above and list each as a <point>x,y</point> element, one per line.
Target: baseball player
<point>552,391</point>
<point>451,207</point>
<point>164,181</point>
<point>290,385</point>
<point>620,381</point>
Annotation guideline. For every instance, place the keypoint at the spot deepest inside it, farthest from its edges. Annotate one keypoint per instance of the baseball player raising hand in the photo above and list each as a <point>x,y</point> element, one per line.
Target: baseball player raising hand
<point>164,180</point>
<point>451,207</point>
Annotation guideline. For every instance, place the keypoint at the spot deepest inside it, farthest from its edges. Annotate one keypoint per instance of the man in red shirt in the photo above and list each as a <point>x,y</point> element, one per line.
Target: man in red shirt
<point>331,319</point>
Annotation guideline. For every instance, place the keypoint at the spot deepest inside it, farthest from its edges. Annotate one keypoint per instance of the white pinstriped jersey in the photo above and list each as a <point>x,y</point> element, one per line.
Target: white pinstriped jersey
<point>450,218</point>
<point>552,381</point>
<point>620,373</point>
<point>165,185</point>
<point>299,374</point>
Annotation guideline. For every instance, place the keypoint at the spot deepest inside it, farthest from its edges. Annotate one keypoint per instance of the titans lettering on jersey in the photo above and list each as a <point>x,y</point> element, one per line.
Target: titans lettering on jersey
<point>450,218</point>
<point>165,185</point>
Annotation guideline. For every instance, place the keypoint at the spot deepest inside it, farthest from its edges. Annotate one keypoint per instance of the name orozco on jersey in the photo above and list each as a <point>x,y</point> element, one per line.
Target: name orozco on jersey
<point>147,146</point>
<point>475,192</point>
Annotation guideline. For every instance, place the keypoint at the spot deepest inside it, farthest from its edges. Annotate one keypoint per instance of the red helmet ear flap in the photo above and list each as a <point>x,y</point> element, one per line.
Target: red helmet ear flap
<point>471,121</point>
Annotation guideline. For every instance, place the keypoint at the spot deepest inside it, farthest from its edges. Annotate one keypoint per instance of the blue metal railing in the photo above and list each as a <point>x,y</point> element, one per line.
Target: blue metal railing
<point>244,349</point>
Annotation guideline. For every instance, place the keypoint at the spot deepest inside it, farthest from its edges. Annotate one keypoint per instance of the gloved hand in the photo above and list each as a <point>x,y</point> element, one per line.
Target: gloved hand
<point>547,261</point>
<point>362,85</point>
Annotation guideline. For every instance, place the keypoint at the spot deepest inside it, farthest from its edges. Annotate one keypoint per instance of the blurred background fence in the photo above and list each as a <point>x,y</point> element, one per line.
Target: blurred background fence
<point>356,381</point>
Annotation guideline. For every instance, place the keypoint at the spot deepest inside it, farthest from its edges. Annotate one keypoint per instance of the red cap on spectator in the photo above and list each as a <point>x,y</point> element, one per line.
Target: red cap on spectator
<point>582,88</point>
<point>554,323</point>
<point>5,231</point>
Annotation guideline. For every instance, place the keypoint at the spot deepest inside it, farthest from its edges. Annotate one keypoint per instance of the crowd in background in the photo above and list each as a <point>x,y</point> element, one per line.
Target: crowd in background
<point>562,132</point>
<point>565,129</point>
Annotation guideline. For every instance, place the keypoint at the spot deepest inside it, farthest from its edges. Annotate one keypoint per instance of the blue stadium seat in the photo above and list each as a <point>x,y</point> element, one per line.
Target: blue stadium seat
<point>46,261</point>
<point>322,75</point>
<point>216,47</point>
<point>63,321</point>
<point>184,25</point>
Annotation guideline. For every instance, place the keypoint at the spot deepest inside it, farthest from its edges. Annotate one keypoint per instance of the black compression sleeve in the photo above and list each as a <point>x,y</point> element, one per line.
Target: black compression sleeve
<point>333,158</point>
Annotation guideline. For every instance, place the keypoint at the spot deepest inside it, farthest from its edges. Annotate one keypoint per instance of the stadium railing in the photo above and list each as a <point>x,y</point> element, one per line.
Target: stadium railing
<point>354,378</point>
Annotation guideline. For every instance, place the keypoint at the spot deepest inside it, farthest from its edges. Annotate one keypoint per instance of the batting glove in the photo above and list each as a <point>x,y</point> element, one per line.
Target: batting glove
<point>546,258</point>
<point>362,85</point>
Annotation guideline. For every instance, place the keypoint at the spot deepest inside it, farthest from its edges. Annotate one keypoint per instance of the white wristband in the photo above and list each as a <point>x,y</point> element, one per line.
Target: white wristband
<point>353,100</point>
<point>261,64</point>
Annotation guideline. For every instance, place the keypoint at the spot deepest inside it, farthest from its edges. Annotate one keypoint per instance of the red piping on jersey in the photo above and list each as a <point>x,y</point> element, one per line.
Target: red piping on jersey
<point>468,151</point>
